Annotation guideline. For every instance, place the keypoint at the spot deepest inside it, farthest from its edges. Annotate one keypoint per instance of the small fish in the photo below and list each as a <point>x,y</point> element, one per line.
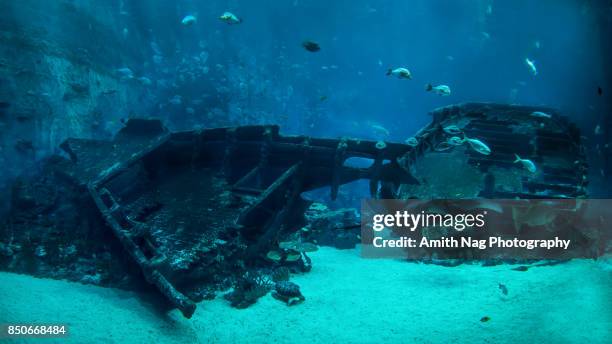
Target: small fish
<point>527,164</point>
<point>125,72</point>
<point>452,130</point>
<point>443,146</point>
<point>540,114</point>
<point>144,81</point>
<point>411,141</point>
<point>323,98</point>
<point>455,141</point>
<point>597,130</point>
<point>531,65</point>
<point>441,90</point>
<point>485,319</point>
<point>503,288</point>
<point>189,20</point>
<point>479,146</point>
<point>230,18</point>
<point>176,100</point>
<point>401,73</point>
<point>599,90</point>
<point>311,46</point>
<point>379,129</point>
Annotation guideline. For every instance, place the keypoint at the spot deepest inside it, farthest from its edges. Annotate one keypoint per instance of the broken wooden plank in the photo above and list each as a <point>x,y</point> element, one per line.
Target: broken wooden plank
<point>279,218</point>
<point>180,301</point>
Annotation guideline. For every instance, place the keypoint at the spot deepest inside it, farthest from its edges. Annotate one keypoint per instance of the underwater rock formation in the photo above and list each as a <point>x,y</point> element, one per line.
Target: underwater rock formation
<point>54,84</point>
<point>288,292</point>
<point>338,228</point>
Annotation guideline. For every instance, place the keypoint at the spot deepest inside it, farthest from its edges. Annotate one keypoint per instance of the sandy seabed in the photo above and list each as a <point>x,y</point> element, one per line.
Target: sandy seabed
<point>349,299</point>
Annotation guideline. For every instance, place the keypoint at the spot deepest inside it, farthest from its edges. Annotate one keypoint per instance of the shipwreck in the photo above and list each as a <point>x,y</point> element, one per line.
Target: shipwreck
<point>201,207</point>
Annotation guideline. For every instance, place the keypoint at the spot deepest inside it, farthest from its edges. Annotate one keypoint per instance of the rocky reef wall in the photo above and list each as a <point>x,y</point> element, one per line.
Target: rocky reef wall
<point>58,77</point>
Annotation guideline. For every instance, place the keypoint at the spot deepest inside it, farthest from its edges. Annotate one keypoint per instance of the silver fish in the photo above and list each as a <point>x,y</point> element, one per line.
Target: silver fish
<point>125,72</point>
<point>188,20</point>
<point>441,90</point>
<point>401,73</point>
<point>452,130</point>
<point>540,114</point>
<point>411,141</point>
<point>455,141</point>
<point>230,18</point>
<point>479,146</point>
<point>531,65</point>
<point>527,164</point>
<point>379,130</point>
<point>144,81</point>
<point>443,146</point>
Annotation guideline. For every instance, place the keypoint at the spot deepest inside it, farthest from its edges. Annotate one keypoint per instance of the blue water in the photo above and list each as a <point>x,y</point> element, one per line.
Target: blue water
<point>260,73</point>
<point>478,48</point>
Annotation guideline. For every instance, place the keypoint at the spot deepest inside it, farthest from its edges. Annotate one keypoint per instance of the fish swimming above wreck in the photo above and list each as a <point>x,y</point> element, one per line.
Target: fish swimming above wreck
<point>230,18</point>
<point>189,20</point>
<point>478,146</point>
<point>311,46</point>
<point>441,90</point>
<point>527,164</point>
<point>540,114</point>
<point>400,73</point>
<point>532,67</point>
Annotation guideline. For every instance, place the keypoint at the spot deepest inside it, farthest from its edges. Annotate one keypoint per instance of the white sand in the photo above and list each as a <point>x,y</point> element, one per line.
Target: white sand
<point>349,300</point>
